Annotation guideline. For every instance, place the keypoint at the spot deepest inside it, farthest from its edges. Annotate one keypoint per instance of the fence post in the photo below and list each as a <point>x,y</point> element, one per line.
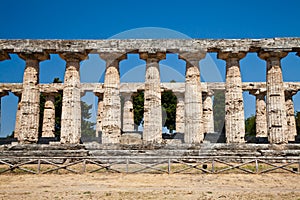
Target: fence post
<point>256,166</point>
<point>127,163</point>
<point>39,166</point>
<point>84,166</point>
<point>169,166</point>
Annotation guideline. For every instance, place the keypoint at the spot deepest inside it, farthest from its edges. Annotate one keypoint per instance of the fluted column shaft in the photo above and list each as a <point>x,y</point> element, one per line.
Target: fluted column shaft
<point>128,114</point>
<point>48,129</point>
<point>260,113</point>
<point>193,131</point>
<point>99,113</point>
<point>234,104</point>
<point>290,115</point>
<point>71,107</point>
<point>275,99</point>
<point>30,101</point>
<point>111,124</point>
<point>18,116</point>
<point>180,112</point>
<point>261,116</point>
<point>152,98</point>
<point>208,114</point>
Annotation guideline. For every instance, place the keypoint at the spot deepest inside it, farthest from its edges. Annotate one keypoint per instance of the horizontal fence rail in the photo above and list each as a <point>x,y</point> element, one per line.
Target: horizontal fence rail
<point>150,164</point>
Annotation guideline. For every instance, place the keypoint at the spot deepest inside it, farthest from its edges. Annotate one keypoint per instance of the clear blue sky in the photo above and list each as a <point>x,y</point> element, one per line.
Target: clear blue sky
<point>95,19</point>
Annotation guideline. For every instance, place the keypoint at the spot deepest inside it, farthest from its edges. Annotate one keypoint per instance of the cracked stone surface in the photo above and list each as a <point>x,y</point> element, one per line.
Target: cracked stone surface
<point>261,113</point>
<point>30,101</point>
<point>111,123</point>
<point>234,104</point>
<point>99,114</point>
<point>128,114</point>
<point>275,99</point>
<point>48,129</point>
<point>152,104</point>
<point>71,107</point>
<point>208,114</point>
<point>290,115</point>
<point>193,132</point>
<point>179,112</point>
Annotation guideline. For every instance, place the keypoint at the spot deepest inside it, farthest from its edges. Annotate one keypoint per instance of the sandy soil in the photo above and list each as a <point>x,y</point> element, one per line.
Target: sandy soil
<point>150,186</point>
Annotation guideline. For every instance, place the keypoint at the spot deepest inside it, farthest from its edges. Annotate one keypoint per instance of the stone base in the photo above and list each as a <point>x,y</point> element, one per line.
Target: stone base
<point>131,138</point>
<point>234,152</point>
<point>215,137</point>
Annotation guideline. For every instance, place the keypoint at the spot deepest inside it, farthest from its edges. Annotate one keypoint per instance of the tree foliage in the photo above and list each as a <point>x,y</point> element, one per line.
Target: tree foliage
<point>169,102</point>
<point>87,127</point>
<point>219,110</point>
<point>250,125</point>
<point>138,108</point>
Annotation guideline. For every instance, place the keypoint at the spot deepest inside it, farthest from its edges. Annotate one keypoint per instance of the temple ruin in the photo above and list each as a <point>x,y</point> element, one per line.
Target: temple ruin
<point>194,113</point>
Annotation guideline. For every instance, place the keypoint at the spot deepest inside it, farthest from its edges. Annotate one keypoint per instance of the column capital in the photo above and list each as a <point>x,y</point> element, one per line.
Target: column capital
<point>289,93</point>
<point>4,55</point>
<point>179,96</point>
<point>114,56</point>
<point>231,55</point>
<point>3,93</point>
<point>74,56</point>
<point>209,93</point>
<point>18,94</point>
<point>192,56</point>
<point>266,55</point>
<point>126,95</point>
<point>49,94</point>
<point>157,56</point>
<point>257,92</point>
<point>99,95</point>
<point>34,56</point>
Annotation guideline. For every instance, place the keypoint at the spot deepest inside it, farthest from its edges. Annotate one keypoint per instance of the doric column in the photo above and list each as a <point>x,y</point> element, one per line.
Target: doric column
<point>152,104</point>
<point>128,114</point>
<point>234,106</point>
<point>208,114</point>
<point>290,115</point>
<point>99,113</point>
<point>18,116</point>
<point>48,129</point>
<point>276,114</point>
<point>30,101</point>
<point>261,113</point>
<point>111,124</point>
<point>179,112</point>
<point>71,107</point>
<point>193,131</point>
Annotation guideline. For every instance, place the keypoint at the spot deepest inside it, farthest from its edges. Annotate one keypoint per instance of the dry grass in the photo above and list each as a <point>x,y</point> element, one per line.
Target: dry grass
<point>149,186</point>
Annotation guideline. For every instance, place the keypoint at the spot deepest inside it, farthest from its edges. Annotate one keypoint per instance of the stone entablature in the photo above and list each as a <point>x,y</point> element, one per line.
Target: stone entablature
<point>150,45</point>
<point>134,87</point>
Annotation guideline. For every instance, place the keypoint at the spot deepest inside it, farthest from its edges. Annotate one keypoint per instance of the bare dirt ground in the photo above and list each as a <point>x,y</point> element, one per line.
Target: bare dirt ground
<point>150,186</point>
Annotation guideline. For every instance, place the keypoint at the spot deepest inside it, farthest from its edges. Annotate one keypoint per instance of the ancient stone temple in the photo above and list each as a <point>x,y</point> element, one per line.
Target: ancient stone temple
<point>194,111</point>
